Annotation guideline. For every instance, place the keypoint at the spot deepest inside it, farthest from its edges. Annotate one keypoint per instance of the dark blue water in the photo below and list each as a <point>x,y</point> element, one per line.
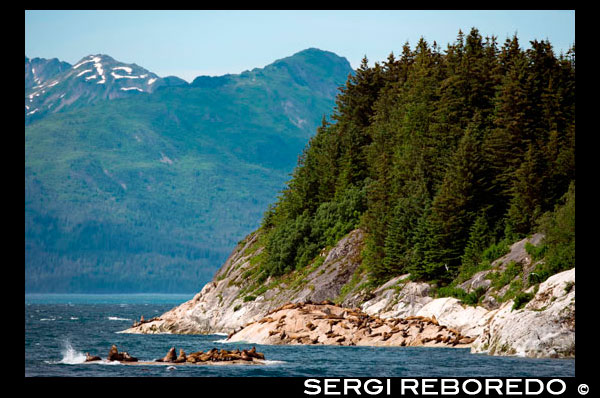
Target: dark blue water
<point>59,329</point>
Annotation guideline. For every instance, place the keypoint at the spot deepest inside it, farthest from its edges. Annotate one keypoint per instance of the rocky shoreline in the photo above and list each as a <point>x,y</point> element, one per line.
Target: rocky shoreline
<point>543,327</point>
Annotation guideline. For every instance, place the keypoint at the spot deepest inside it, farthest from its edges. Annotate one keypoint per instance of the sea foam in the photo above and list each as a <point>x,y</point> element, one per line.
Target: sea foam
<point>70,356</point>
<point>116,318</point>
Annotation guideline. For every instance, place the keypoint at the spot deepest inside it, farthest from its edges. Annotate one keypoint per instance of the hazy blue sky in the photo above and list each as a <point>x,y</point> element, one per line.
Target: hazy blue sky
<point>192,43</point>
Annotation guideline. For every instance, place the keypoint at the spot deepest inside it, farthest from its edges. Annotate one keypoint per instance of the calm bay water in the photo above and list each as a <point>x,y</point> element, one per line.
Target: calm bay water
<point>60,329</point>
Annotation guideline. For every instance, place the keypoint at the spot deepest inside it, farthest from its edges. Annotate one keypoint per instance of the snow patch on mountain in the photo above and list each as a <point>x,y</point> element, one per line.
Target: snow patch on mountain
<point>125,68</point>
<point>93,59</point>
<point>123,77</point>
<point>131,88</point>
<point>83,72</point>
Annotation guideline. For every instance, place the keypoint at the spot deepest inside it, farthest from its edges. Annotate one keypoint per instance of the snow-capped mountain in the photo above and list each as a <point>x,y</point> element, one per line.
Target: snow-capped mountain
<point>39,70</point>
<point>93,78</point>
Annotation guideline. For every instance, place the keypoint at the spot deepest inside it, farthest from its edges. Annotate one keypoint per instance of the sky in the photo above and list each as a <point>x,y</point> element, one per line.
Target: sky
<point>188,44</point>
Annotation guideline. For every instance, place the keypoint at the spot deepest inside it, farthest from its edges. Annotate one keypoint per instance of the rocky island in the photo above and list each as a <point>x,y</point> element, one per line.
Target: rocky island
<point>400,312</point>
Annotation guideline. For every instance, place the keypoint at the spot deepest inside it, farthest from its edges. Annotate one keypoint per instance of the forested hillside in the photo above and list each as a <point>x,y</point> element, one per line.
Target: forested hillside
<point>444,158</point>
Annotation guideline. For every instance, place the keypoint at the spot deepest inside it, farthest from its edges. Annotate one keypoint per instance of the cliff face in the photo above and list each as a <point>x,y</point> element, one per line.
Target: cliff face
<point>544,327</point>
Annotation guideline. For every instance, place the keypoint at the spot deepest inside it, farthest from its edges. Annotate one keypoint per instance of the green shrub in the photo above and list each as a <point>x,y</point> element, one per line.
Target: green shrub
<point>559,229</point>
<point>473,297</point>
<point>501,279</point>
<point>568,286</point>
<point>515,287</point>
<point>451,291</point>
<point>237,307</point>
<point>495,251</point>
<point>249,298</point>
<point>456,292</point>
<point>521,299</point>
<point>536,252</point>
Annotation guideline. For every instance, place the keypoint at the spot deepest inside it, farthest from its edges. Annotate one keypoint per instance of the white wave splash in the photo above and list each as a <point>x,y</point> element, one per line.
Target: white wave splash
<point>70,356</point>
<point>220,334</point>
<point>116,318</point>
<point>268,362</point>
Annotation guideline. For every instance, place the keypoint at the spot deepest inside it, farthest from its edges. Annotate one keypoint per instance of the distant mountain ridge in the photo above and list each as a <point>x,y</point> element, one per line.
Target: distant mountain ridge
<point>59,86</point>
<point>149,191</point>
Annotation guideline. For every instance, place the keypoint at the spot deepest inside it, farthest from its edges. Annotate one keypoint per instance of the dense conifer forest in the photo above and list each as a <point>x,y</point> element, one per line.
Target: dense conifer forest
<point>444,158</point>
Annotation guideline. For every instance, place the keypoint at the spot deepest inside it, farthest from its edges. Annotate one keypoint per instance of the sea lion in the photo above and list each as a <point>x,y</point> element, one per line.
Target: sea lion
<point>467,340</point>
<point>125,357</point>
<point>192,359</point>
<point>113,354</point>
<point>181,358</point>
<point>253,353</point>
<point>245,357</point>
<point>89,358</point>
<point>171,356</point>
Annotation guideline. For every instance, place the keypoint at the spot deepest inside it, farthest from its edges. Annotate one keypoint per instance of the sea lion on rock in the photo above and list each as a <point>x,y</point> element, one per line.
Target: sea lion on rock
<point>254,354</point>
<point>89,358</point>
<point>467,340</point>
<point>181,358</point>
<point>128,358</point>
<point>171,356</point>
<point>113,354</point>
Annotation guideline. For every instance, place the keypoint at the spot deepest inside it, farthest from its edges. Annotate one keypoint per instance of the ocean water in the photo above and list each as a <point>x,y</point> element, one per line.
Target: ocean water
<point>60,329</point>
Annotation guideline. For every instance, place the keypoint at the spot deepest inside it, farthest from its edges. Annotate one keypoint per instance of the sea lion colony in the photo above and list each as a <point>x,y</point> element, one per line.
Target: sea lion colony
<point>327,323</point>
<point>142,321</point>
<point>213,355</point>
